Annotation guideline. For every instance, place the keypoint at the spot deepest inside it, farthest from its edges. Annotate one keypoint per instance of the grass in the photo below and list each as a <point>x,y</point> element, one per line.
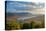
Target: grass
<point>13,25</point>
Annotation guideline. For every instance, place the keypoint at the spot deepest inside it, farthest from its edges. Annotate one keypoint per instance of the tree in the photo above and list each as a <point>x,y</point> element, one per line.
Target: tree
<point>26,26</point>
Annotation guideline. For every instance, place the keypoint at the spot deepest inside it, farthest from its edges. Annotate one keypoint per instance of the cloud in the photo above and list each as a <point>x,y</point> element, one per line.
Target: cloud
<point>38,11</point>
<point>24,7</point>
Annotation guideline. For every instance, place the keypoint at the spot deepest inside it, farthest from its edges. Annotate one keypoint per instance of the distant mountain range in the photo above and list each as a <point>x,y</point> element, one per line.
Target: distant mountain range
<point>18,14</point>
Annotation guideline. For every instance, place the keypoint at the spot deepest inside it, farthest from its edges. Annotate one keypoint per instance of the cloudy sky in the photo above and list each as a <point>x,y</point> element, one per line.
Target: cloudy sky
<point>20,6</point>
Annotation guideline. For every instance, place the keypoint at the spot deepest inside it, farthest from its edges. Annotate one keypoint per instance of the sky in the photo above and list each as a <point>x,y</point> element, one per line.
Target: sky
<point>20,6</point>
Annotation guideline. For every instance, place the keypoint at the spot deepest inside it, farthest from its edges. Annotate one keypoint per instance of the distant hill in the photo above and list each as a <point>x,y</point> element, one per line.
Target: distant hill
<point>17,14</point>
<point>37,18</point>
